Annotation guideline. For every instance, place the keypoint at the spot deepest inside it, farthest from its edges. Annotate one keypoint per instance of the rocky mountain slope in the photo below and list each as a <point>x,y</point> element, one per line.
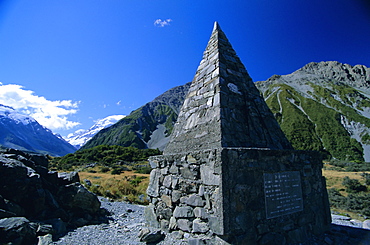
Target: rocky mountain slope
<point>323,106</point>
<point>81,136</point>
<point>22,132</point>
<point>147,127</point>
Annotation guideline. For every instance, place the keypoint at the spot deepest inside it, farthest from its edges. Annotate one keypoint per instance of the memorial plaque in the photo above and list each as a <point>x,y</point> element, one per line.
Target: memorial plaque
<point>283,193</point>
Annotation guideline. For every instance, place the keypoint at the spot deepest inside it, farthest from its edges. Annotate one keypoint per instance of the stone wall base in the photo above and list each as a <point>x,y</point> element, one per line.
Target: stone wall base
<point>239,195</point>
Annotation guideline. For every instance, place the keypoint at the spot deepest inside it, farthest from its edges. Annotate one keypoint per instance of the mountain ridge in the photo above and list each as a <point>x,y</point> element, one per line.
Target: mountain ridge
<point>23,132</point>
<point>81,136</point>
<point>340,93</point>
<point>137,128</point>
<point>323,106</point>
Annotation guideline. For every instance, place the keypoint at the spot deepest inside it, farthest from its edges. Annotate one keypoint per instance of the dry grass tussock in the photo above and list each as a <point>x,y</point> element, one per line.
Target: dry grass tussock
<point>127,186</point>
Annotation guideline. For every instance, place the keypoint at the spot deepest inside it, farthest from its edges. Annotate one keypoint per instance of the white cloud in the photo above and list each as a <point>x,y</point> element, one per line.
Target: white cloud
<point>51,114</point>
<point>162,23</point>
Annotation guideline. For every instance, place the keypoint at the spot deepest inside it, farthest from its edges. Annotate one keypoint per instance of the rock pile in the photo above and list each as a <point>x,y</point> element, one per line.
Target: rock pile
<point>35,202</point>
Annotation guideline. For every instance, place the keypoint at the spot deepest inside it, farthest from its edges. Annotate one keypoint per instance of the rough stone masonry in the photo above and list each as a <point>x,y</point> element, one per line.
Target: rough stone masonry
<point>229,175</point>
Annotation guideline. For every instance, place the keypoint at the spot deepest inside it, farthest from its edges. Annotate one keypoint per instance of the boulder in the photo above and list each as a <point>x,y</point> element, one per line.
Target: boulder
<point>77,198</point>
<point>45,240</point>
<point>17,230</point>
<point>147,236</point>
<point>68,178</point>
<point>28,191</point>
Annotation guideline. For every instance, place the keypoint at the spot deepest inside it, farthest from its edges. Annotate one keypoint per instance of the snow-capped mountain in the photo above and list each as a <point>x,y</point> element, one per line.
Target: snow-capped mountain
<point>9,112</point>
<point>23,132</point>
<point>81,136</point>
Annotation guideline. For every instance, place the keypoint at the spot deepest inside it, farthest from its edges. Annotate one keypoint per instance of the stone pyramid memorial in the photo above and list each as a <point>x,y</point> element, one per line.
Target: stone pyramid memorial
<point>223,107</point>
<point>229,175</point>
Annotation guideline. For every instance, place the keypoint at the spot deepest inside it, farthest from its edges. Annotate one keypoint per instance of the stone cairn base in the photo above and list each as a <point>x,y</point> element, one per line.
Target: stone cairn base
<point>239,195</point>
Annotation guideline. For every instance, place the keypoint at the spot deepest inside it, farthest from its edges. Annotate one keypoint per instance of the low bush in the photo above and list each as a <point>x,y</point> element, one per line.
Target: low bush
<point>366,176</point>
<point>144,170</point>
<point>116,171</point>
<point>104,169</point>
<point>354,166</point>
<point>358,203</point>
<point>353,185</point>
<point>103,155</point>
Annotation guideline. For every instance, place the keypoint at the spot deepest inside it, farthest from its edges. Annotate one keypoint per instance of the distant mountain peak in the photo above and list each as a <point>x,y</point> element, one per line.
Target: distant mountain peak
<point>22,132</point>
<point>81,136</point>
<point>357,76</point>
<point>12,114</point>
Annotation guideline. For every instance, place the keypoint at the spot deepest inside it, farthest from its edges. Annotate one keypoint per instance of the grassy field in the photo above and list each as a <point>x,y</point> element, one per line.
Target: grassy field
<point>350,203</point>
<point>127,185</point>
<point>334,178</point>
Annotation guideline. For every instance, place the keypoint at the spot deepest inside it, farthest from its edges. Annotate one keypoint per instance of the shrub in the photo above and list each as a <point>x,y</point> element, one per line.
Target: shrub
<point>359,203</point>
<point>367,178</point>
<point>358,167</point>
<point>104,169</point>
<point>116,171</point>
<point>353,185</point>
<point>137,180</point>
<point>335,198</point>
<point>105,155</point>
<point>144,170</point>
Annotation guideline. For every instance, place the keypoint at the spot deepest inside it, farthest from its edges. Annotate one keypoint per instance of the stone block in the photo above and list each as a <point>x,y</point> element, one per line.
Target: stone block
<point>150,216</point>
<point>164,171</point>
<point>163,211</point>
<point>153,163</point>
<point>184,225</point>
<point>183,212</point>
<point>45,240</point>
<point>196,241</point>
<point>178,234</point>
<point>195,201</point>
<point>201,190</point>
<point>184,199</point>
<point>200,226</point>
<point>288,226</point>
<point>153,187</point>
<point>186,173</point>
<point>174,169</point>
<point>200,213</point>
<point>167,182</point>
<point>167,200</point>
<point>208,177</point>
<point>176,195</point>
<point>216,225</point>
<point>175,181</point>
<point>191,160</point>
<point>165,224</point>
<point>173,223</point>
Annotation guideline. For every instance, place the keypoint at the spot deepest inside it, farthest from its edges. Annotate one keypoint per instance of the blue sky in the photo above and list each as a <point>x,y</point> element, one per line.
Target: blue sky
<point>70,62</point>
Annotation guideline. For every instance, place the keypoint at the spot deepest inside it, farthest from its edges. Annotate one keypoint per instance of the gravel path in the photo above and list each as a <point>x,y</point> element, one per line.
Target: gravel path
<point>127,220</point>
<point>123,228</point>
